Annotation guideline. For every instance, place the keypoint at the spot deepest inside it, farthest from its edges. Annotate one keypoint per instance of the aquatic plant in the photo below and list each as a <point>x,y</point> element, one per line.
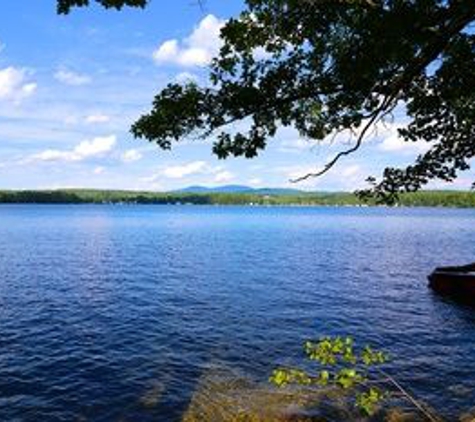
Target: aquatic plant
<point>344,366</point>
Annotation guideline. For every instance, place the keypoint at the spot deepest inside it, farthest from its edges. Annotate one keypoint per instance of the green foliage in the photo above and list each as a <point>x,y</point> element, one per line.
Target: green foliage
<point>259,197</point>
<point>328,350</point>
<point>372,357</point>
<point>282,377</point>
<point>65,6</point>
<point>369,400</point>
<point>330,67</point>
<point>348,377</point>
<point>344,367</point>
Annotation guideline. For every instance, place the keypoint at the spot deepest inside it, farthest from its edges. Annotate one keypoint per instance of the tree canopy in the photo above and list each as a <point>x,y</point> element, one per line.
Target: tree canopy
<point>331,66</point>
<point>65,6</point>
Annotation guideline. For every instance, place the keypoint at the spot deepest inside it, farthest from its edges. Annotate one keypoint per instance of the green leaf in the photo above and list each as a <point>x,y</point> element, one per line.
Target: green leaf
<point>369,400</point>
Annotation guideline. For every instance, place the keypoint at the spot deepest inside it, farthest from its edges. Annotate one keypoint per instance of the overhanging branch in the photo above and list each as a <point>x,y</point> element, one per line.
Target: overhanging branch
<point>455,23</point>
<point>341,154</point>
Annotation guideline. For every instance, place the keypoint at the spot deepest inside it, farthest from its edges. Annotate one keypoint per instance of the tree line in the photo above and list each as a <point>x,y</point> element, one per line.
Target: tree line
<point>462,199</point>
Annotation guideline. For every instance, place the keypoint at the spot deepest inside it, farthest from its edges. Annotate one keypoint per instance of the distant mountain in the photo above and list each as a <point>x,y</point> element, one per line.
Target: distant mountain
<point>239,189</point>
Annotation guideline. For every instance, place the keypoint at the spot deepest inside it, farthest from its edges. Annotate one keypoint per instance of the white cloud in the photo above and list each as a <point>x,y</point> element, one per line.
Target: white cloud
<point>196,50</point>
<point>130,156</point>
<point>223,177</point>
<point>217,174</point>
<point>93,148</point>
<point>297,144</point>
<point>96,146</point>
<point>97,118</point>
<point>394,143</point>
<point>351,170</point>
<point>99,170</point>
<point>461,183</point>
<point>186,77</point>
<point>13,85</point>
<point>384,136</point>
<point>168,51</point>
<point>345,177</point>
<point>293,172</point>
<point>255,182</point>
<point>69,77</point>
<point>178,172</point>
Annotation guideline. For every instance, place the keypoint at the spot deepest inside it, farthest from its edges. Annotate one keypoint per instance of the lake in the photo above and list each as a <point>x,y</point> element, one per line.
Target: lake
<point>102,305</point>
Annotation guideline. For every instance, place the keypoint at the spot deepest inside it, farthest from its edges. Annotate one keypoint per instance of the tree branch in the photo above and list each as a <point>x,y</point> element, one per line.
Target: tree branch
<point>373,119</point>
<point>421,61</point>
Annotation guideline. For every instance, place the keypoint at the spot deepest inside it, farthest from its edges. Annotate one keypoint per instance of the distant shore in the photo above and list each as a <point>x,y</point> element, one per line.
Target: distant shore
<point>458,199</point>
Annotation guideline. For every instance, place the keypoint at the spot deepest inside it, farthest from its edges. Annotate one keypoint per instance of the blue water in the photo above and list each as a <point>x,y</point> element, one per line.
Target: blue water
<point>99,305</point>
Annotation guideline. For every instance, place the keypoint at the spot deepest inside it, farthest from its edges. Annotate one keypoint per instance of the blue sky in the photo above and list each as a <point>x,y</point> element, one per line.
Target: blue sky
<point>71,86</point>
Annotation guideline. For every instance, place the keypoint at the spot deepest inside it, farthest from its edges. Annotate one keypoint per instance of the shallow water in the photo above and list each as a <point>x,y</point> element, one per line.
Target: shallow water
<point>113,313</point>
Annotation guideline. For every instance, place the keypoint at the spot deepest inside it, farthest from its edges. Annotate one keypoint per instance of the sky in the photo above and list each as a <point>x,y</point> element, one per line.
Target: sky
<point>71,86</point>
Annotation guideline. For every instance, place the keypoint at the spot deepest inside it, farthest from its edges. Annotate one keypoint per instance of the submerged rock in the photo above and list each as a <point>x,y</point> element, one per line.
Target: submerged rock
<point>224,396</point>
<point>399,415</point>
<point>153,395</point>
<point>468,416</point>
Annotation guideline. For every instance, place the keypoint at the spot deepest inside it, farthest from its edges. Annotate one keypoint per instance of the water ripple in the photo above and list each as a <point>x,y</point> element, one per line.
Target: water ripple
<point>110,313</point>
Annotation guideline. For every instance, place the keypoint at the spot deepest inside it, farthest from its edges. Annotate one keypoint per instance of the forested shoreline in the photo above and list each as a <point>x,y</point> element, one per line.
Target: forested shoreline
<point>459,199</point>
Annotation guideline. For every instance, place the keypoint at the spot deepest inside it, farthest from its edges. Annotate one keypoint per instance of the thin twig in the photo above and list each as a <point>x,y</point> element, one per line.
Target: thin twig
<point>348,151</point>
<point>404,392</point>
